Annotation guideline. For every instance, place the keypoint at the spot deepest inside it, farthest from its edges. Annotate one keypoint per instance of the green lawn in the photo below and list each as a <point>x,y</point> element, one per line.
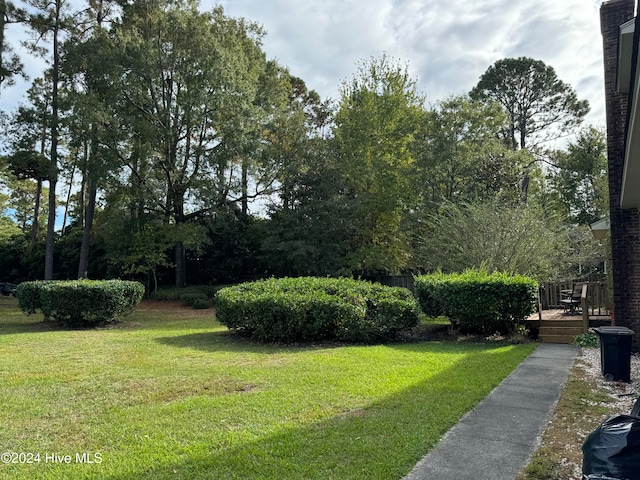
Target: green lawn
<point>170,394</point>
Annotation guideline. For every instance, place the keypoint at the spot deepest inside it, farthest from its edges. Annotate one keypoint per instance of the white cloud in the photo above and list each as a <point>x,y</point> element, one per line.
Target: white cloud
<point>448,44</point>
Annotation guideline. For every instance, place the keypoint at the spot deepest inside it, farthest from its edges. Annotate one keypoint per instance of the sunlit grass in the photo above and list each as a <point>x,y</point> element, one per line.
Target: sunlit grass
<point>169,393</point>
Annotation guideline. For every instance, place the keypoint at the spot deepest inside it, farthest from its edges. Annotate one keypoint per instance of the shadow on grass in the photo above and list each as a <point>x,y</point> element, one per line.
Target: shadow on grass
<point>36,323</point>
<point>225,340</point>
<point>381,441</point>
<point>26,326</point>
<point>150,316</point>
<point>13,320</point>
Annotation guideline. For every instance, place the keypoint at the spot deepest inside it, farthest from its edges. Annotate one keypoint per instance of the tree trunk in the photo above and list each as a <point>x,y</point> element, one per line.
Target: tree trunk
<point>51,221</point>
<point>181,268</point>
<point>180,256</point>
<point>68,201</point>
<point>3,13</point>
<point>35,226</point>
<point>245,186</point>
<point>51,232</point>
<point>83,266</point>
<point>525,188</point>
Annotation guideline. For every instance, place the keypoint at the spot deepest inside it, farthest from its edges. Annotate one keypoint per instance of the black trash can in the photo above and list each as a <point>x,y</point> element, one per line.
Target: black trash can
<point>615,352</point>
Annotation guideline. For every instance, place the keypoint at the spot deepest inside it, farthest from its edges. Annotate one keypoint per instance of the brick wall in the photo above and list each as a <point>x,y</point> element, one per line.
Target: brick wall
<point>625,224</point>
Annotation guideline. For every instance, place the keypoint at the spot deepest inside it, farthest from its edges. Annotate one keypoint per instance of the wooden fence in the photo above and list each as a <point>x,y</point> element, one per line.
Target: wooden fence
<point>405,281</point>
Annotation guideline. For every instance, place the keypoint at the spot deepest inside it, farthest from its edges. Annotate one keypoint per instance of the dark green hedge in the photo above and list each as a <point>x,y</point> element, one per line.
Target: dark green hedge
<point>478,301</point>
<point>28,294</point>
<point>80,303</point>
<point>193,299</point>
<point>176,294</point>
<point>311,309</point>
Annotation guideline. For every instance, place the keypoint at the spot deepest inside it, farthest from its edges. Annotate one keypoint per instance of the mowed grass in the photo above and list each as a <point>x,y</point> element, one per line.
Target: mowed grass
<point>169,393</point>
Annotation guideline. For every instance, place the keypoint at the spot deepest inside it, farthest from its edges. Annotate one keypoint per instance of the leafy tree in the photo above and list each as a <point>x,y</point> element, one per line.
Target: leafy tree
<point>232,251</point>
<point>50,19</point>
<point>293,139</point>
<point>28,165</point>
<point>307,230</point>
<point>460,156</point>
<point>513,239</point>
<point>90,63</point>
<point>539,106</point>
<point>146,252</point>
<point>191,89</point>
<point>8,227</point>
<point>24,195</point>
<point>14,253</point>
<point>29,144</point>
<point>10,64</point>
<point>311,233</point>
<point>586,255</point>
<point>580,179</point>
<point>375,127</point>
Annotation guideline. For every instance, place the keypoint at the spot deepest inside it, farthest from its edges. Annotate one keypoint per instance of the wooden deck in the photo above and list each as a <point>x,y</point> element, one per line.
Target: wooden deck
<point>555,314</point>
<point>560,314</point>
<point>556,326</point>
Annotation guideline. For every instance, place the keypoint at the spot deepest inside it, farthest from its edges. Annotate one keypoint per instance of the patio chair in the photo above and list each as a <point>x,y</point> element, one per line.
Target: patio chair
<point>572,300</point>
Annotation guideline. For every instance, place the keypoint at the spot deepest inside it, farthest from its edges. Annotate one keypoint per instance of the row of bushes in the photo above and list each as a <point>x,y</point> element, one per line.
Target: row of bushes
<point>80,303</point>
<point>309,309</point>
<point>478,301</point>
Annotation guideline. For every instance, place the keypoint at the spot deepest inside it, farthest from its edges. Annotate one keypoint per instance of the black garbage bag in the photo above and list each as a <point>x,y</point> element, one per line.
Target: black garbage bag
<point>613,449</point>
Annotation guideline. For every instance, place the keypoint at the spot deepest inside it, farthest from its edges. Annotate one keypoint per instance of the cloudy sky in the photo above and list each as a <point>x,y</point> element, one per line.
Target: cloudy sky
<point>447,44</point>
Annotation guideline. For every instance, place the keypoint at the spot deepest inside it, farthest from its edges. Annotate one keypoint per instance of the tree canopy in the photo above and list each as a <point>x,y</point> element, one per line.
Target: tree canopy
<point>375,129</point>
<point>179,153</point>
<point>540,107</point>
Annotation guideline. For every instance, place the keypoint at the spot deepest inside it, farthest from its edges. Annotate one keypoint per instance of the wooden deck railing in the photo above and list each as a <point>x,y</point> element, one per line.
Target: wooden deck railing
<point>597,297</point>
<point>593,304</point>
<point>585,308</point>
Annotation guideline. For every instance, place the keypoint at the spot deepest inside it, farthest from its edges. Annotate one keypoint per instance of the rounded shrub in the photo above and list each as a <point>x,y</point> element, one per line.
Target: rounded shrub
<point>424,287</point>
<point>201,303</point>
<point>189,299</point>
<point>80,303</point>
<point>478,301</point>
<point>28,294</point>
<point>312,309</point>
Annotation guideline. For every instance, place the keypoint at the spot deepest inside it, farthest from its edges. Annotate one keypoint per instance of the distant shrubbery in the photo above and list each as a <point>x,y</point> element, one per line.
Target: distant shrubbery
<point>478,301</point>
<point>196,296</point>
<point>195,300</point>
<point>177,294</point>
<point>309,309</point>
<point>80,303</point>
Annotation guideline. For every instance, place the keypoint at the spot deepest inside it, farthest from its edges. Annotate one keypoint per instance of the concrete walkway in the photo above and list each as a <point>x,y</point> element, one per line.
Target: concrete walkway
<point>497,438</point>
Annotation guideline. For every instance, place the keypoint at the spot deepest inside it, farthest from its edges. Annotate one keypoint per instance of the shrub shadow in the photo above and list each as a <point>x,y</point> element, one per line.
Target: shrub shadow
<point>226,341</point>
<point>412,423</point>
